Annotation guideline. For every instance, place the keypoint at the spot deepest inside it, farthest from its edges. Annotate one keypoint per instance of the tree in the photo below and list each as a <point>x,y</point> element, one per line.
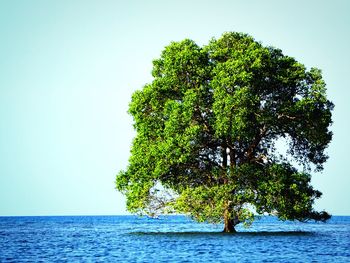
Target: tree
<point>207,128</point>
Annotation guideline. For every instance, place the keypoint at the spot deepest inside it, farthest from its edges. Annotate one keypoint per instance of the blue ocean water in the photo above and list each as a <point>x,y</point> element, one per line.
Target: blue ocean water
<point>169,239</point>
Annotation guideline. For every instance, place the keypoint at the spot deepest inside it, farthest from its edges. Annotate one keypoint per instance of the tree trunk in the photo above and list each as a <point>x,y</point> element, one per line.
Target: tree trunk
<point>229,227</point>
<point>229,223</point>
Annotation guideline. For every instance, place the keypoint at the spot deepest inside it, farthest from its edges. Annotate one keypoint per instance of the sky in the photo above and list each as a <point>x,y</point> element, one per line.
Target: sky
<point>68,70</point>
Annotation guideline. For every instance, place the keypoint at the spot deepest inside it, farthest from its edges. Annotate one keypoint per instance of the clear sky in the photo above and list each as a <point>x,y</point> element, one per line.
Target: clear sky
<point>68,69</point>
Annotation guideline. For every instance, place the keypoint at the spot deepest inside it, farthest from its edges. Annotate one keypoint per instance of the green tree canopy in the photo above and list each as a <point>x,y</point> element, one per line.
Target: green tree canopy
<point>207,128</point>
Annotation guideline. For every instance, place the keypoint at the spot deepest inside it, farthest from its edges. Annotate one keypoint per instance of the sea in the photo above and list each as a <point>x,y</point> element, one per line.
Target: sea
<point>169,239</point>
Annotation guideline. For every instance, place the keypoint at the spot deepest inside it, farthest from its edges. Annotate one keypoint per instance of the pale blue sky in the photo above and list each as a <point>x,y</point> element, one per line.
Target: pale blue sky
<point>68,69</point>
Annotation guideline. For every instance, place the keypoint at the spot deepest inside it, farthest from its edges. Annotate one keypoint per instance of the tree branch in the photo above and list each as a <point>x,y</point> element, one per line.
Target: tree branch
<point>251,149</point>
<point>279,116</point>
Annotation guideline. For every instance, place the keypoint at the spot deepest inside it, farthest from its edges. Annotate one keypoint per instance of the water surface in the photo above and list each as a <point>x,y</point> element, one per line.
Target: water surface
<point>169,239</point>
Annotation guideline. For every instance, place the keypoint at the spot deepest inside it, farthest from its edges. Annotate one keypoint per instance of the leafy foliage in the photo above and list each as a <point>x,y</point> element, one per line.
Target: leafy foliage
<point>207,126</point>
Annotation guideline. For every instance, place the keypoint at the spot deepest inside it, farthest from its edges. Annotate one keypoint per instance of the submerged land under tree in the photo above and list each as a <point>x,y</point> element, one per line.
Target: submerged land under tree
<point>207,128</point>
